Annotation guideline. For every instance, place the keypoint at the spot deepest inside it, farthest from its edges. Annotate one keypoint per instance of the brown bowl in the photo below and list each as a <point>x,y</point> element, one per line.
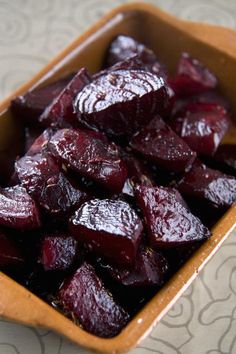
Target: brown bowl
<point>168,36</point>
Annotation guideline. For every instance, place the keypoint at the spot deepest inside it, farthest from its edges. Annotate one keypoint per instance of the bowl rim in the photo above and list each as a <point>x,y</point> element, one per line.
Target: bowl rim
<point>157,307</point>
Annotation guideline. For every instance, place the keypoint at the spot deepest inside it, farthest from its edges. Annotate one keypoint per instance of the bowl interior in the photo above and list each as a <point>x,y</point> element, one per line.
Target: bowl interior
<point>166,39</point>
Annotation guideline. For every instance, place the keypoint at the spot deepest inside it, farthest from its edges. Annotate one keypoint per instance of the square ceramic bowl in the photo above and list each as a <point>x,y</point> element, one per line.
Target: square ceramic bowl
<point>168,37</point>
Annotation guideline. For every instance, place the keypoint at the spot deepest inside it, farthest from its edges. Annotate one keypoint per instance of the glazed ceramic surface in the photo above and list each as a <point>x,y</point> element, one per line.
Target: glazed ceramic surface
<point>214,46</point>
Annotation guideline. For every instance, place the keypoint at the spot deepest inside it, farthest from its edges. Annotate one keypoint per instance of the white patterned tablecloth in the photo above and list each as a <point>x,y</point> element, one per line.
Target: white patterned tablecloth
<point>203,321</point>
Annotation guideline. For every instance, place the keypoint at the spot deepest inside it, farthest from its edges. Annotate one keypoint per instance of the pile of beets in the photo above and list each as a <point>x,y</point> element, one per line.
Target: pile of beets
<point>122,176</point>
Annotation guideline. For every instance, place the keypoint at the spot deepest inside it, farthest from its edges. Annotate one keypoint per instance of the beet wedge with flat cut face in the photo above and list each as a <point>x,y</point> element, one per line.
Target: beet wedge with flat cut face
<point>58,251</point>
<point>91,304</point>
<point>159,144</point>
<point>17,209</point>
<point>192,77</point>
<point>168,222</point>
<point>122,101</point>
<point>124,47</point>
<point>110,228</point>
<point>44,181</point>
<point>212,187</point>
<point>10,255</point>
<point>60,113</point>
<point>149,270</point>
<point>30,106</point>
<point>90,155</point>
<point>202,126</point>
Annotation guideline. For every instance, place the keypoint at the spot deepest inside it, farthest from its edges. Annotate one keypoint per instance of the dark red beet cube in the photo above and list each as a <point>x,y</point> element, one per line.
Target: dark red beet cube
<point>58,251</point>
<point>33,103</point>
<point>91,155</point>
<point>192,77</point>
<point>202,126</point>
<point>225,158</point>
<point>168,222</point>
<point>10,255</point>
<point>110,228</point>
<point>40,143</point>
<point>159,144</point>
<point>85,296</point>
<point>209,186</point>
<point>124,47</point>
<point>150,269</point>
<point>42,178</point>
<point>17,209</point>
<point>60,113</point>
<point>122,101</point>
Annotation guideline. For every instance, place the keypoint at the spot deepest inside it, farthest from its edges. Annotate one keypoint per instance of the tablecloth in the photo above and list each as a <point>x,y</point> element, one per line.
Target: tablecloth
<point>204,318</point>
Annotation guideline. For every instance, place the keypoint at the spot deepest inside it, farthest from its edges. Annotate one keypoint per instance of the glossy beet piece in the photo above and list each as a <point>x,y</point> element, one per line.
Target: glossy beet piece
<point>225,158</point>
<point>124,47</point>
<point>58,252</point>
<point>150,269</point>
<point>159,144</point>
<point>42,178</point>
<point>40,143</point>
<point>33,103</point>
<point>168,222</point>
<point>60,113</point>
<point>91,155</point>
<point>192,77</point>
<point>111,228</point>
<point>17,209</point>
<point>10,255</point>
<point>202,126</point>
<point>121,101</point>
<point>89,302</point>
<point>210,186</point>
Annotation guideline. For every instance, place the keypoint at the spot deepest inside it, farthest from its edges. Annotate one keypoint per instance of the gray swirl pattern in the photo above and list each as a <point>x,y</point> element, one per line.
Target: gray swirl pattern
<point>204,319</point>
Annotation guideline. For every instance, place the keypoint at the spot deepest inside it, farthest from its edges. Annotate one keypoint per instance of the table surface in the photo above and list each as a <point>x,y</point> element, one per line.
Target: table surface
<point>204,319</point>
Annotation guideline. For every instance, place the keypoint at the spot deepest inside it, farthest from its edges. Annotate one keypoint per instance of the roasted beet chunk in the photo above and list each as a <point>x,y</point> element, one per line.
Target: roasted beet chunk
<point>121,101</point>
<point>149,270</point>
<point>168,222</point>
<point>225,158</point>
<point>10,255</point>
<point>85,296</point>
<point>202,126</point>
<point>58,251</point>
<point>124,47</point>
<point>159,144</point>
<point>192,77</point>
<point>32,104</point>
<point>110,228</point>
<point>42,178</point>
<point>91,155</point>
<point>17,209</point>
<point>60,112</point>
<point>209,186</point>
